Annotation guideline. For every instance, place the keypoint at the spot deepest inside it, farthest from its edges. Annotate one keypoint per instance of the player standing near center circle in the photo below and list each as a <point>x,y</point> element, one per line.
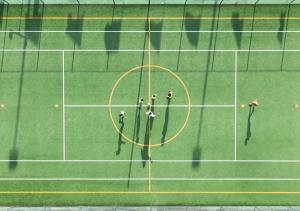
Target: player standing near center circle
<point>170,94</point>
<point>141,101</point>
<point>122,116</point>
<point>148,106</point>
<point>150,114</point>
<point>153,97</point>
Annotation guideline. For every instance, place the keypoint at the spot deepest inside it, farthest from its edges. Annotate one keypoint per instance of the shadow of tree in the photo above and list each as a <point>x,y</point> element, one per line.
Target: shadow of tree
<point>155,36</point>
<point>75,24</point>
<point>192,25</point>
<point>34,24</point>
<point>281,28</point>
<point>237,25</point>
<point>112,39</point>
<point>3,7</point>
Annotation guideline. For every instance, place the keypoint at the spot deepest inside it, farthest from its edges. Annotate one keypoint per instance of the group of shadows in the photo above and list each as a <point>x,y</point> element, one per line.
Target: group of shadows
<point>148,129</point>
<point>112,42</point>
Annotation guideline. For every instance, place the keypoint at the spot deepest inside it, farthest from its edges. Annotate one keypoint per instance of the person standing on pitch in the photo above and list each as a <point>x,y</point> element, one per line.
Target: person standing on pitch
<point>169,95</point>
<point>253,103</point>
<point>150,114</point>
<point>153,97</point>
<point>141,101</point>
<point>122,116</point>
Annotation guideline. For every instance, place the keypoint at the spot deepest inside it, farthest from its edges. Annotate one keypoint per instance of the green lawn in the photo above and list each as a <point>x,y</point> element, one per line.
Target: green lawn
<point>224,155</point>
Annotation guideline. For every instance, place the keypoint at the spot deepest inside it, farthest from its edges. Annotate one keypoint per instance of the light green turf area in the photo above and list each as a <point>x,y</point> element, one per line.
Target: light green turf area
<point>31,94</point>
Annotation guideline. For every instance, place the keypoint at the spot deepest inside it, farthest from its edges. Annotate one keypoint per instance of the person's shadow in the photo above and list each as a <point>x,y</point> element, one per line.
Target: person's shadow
<point>120,141</point>
<point>248,135</point>
<point>165,128</point>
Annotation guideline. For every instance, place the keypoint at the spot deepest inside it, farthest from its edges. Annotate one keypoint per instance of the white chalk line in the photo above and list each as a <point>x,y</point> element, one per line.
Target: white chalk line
<point>152,50</point>
<point>145,179</point>
<point>154,161</point>
<point>154,31</point>
<point>158,106</point>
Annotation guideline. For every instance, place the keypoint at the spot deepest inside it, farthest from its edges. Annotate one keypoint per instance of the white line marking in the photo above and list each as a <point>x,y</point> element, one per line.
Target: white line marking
<point>154,31</point>
<point>152,50</point>
<point>163,106</point>
<point>145,179</point>
<point>64,115</point>
<point>235,100</point>
<point>157,161</point>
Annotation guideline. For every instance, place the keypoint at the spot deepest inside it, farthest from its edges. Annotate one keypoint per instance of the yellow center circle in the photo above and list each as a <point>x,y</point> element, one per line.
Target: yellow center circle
<point>188,105</point>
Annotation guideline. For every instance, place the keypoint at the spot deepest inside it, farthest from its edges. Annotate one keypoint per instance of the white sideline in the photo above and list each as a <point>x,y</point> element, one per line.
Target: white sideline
<point>64,113</point>
<point>154,31</point>
<point>154,161</point>
<point>145,179</point>
<point>163,106</point>
<point>152,50</point>
<point>235,101</point>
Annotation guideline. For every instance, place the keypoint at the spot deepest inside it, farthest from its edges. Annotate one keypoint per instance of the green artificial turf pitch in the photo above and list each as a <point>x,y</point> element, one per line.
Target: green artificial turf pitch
<point>58,143</point>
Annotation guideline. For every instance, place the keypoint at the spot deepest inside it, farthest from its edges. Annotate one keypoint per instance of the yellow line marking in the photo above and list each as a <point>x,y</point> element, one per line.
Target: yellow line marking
<point>145,18</point>
<point>146,193</point>
<point>188,103</point>
<point>149,93</point>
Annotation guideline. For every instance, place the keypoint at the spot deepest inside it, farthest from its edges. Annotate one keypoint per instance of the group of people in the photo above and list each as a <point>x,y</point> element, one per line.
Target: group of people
<point>149,111</point>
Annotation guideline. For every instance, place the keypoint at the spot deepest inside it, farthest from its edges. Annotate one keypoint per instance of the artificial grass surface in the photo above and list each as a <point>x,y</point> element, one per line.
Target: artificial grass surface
<point>31,84</point>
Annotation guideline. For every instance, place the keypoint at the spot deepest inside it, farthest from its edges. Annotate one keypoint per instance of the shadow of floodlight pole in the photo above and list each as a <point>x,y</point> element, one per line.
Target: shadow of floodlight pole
<point>285,34</point>
<point>196,152</point>
<point>5,33</point>
<point>13,155</point>
<point>251,34</point>
<point>181,36</point>
<point>136,129</point>
<point>216,37</point>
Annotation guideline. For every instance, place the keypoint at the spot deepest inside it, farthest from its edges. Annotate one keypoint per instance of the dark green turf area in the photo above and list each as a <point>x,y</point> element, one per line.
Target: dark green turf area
<point>31,84</point>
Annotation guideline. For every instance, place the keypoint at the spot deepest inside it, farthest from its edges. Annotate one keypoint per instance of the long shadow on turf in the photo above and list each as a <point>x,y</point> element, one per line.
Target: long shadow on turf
<point>248,134</point>
<point>166,123</point>
<point>14,153</point>
<point>196,155</point>
<point>155,36</point>
<point>216,37</point>
<point>33,25</point>
<point>251,35</point>
<point>137,121</point>
<point>281,28</point>
<point>75,24</point>
<point>145,150</point>
<point>181,38</point>
<point>3,7</point>
<point>237,26</point>
<point>190,25</point>
<point>283,42</point>
<point>120,141</point>
<point>112,39</point>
